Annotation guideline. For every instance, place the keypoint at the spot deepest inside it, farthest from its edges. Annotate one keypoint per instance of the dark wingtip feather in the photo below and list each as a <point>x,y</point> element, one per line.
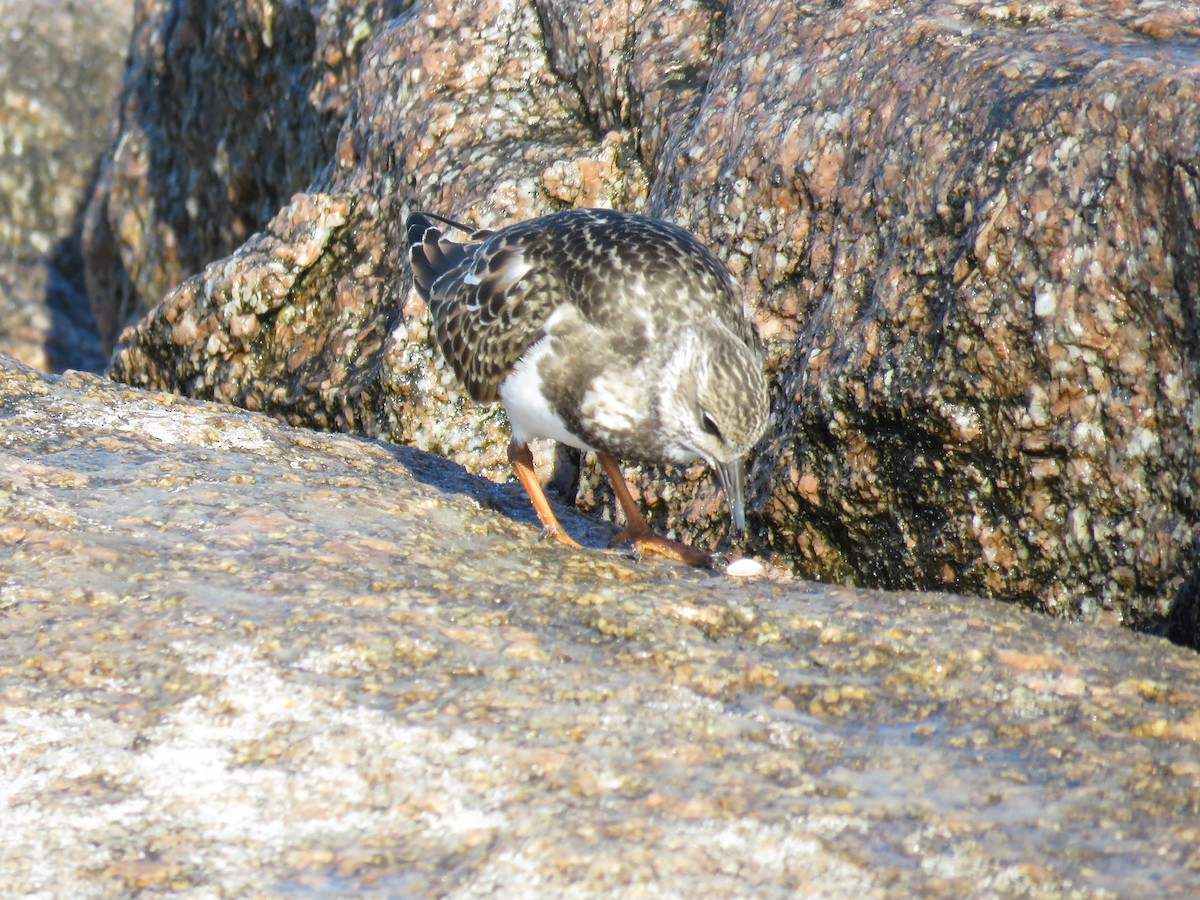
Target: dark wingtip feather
<point>415,227</point>
<point>426,252</point>
<point>431,254</point>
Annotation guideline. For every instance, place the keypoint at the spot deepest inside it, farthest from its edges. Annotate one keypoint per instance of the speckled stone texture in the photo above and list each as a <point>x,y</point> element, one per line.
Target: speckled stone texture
<point>969,230</point>
<point>239,659</point>
<point>60,70</point>
<point>228,108</point>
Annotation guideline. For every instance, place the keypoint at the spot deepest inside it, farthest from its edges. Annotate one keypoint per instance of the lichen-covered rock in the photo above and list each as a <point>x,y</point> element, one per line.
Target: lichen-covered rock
<point>60,68</point>
<point>976,228</point>
<point>969,230</point>
<point>239,659</point>
<point>227,109</point>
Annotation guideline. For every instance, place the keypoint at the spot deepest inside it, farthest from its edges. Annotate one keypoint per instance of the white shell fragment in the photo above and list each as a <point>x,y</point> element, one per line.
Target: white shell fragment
<point>746,567</point>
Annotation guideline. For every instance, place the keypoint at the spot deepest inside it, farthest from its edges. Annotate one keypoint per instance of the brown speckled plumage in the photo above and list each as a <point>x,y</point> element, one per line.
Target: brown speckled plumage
<point>612,332</point>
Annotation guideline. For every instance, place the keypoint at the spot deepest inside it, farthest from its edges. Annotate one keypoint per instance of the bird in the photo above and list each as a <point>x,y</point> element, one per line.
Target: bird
<point>610,332</point>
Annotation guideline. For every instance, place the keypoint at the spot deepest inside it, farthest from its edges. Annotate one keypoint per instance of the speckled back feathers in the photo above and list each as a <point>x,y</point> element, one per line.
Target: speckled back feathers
<point>490,298</point>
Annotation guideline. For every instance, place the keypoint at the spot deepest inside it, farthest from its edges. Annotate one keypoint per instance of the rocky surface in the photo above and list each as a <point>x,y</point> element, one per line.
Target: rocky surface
<point>226,110</point>
<point>60,67</point>
<point>241,659</point>
<point>969,229</point>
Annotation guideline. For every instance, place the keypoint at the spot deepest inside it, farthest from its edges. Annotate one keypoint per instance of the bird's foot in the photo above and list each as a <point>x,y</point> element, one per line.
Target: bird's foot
<point>647,543</point>
<point>555,532</point>
<point>522,461</point>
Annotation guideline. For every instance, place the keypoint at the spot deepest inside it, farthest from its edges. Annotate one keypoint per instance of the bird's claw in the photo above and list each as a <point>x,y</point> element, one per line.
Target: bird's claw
<point>553,533</point>
<point>647,543</point>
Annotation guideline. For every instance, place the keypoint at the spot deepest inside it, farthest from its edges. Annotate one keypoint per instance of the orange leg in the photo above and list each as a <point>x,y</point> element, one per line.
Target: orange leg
<point>637,532</point>
<point>522,463</point>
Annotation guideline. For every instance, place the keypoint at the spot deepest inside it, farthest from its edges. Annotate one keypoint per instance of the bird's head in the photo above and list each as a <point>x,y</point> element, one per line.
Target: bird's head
<point>714,406</point>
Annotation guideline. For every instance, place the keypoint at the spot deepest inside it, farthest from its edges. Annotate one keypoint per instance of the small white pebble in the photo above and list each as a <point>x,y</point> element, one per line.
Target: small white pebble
<point>746,567</point>
<point>1045,303</point>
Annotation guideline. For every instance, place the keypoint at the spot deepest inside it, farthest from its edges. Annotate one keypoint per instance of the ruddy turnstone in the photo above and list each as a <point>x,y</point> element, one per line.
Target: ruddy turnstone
<point>609,332</point>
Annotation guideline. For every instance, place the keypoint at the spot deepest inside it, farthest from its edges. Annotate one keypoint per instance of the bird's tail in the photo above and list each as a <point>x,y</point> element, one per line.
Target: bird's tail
<point>431,254</point>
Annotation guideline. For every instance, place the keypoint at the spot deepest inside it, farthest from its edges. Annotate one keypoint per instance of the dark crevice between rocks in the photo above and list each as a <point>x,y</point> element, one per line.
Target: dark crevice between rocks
<point>1182,625</point>
<point>73,341</point>
<point>591,119</point>
<point>1183,242</point>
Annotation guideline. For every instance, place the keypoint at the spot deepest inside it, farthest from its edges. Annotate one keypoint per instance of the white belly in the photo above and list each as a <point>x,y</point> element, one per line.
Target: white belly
<point>528,412</point>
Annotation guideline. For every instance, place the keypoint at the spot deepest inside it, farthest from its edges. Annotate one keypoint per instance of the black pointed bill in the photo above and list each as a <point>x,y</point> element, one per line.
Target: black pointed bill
<point>733,482</point>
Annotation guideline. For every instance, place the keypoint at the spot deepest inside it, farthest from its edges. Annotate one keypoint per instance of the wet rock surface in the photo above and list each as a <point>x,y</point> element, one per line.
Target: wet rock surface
<point>969,229</point>
<point>238,658</point>
<point>60,68</point>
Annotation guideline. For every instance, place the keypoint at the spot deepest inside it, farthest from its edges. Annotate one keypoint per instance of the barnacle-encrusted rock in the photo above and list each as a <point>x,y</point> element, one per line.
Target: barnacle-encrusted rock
<point>969,230</point>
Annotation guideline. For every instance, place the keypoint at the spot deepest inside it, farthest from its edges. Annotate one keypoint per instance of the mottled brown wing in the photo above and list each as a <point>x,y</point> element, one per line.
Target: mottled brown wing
<point>618,261</point>
<point>488,301</point>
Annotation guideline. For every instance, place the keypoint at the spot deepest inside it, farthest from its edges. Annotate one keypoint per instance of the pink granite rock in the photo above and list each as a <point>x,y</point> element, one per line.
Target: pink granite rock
<point>969,230</point>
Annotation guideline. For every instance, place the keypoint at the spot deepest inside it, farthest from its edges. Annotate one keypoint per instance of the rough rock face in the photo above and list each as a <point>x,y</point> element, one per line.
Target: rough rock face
<point>240,659</point>
<point>227,109</point>
<point>60,67</point>
<point>969,230</point>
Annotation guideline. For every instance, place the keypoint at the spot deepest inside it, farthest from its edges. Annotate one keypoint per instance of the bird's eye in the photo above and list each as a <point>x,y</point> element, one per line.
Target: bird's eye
<point>709,424</point>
